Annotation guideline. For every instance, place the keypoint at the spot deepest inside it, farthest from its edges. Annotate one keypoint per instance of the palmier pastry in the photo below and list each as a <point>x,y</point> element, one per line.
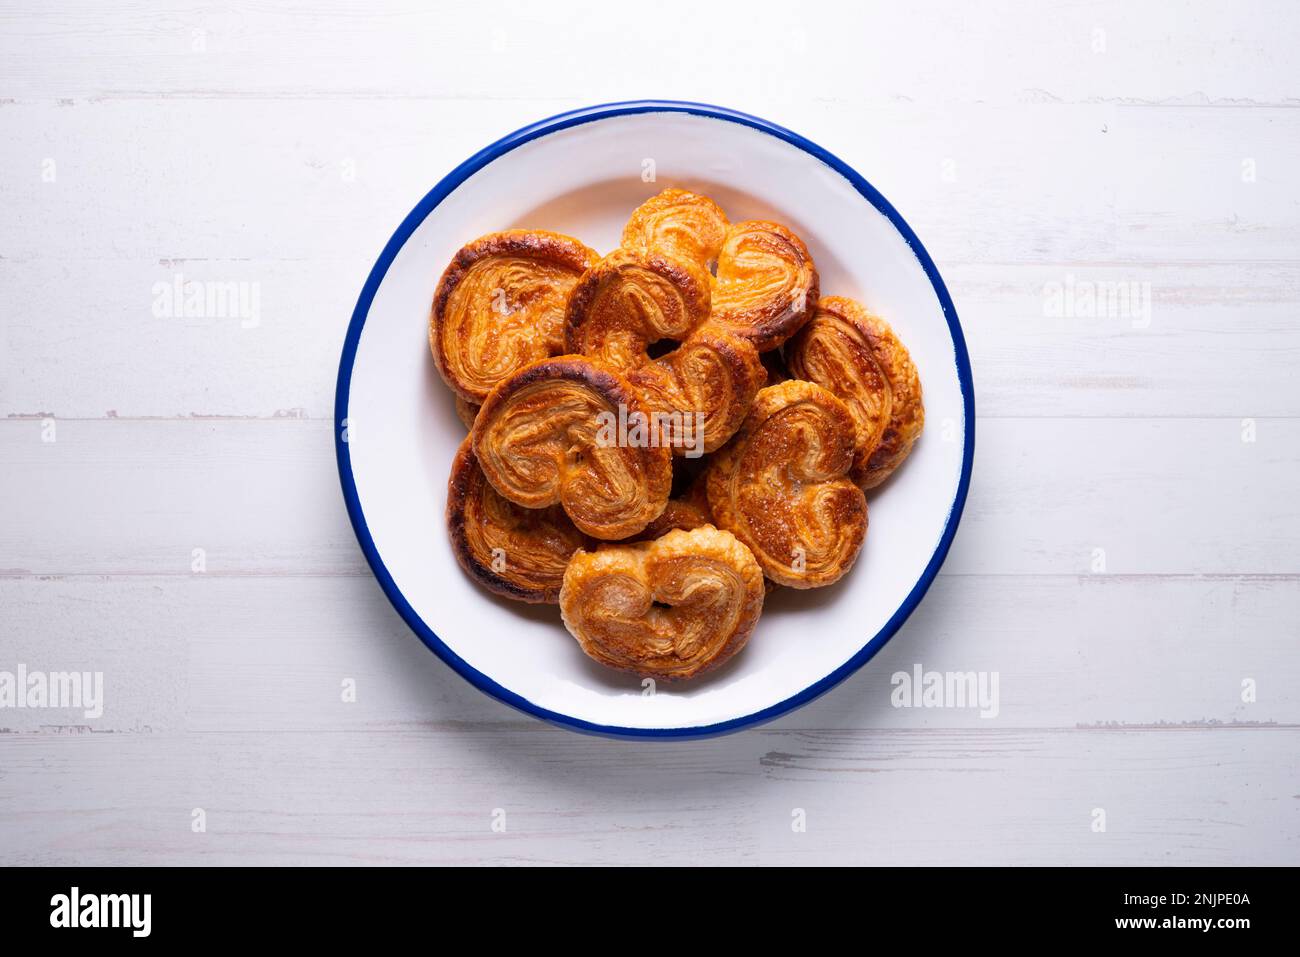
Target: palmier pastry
<point>679,224</point>
<point>856,355</point>
<point>669,609</point>
<point>500,305</point>
<point>517,552</point>
<point>701,390</point>
<point>766,285</point>
<point>781,486</point>
<point>630,300</point>
<point>834,350</point>
<point>466,412</point>
<point>557,431</point>
<point>687,511</point>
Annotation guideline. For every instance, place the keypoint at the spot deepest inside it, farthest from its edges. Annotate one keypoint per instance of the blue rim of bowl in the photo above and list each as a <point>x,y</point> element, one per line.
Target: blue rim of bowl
<point>440,192</point>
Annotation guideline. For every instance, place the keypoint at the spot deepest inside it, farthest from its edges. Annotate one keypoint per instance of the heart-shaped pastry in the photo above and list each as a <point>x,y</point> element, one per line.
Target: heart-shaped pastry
<point>781,486</point>
<point>679,224</point>
<point>856,355</point>
<point>766,285</point>
<point>669,609</point>
<point>686,511</point>
<point>466,412</point>
<point>517,552</point>
<point>630,300</point>
<point>702,389</point>
<point>571,432</point>
<point>500,305</point>
<point>834,350</point>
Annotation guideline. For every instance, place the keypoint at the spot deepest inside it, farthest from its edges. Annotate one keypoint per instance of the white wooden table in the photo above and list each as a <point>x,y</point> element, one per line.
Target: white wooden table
<point>1129,561</point>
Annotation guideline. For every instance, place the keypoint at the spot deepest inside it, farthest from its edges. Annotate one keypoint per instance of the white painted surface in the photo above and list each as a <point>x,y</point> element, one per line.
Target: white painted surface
<point>1024,146</point>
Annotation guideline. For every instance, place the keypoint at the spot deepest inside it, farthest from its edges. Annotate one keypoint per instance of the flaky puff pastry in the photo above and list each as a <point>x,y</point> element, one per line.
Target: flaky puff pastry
<point>781,486</point>
<point>517,552</point>
<point>548,435</point>
<point>766,283</point>
<point>631,299</point>
<point>687,511</point>
<point>834,350</point>
<point>766,286</point>
<point>856,355</point>
<point>679,224</point>
<point>467,412</point>
<point>669,609</point>
<point>702,389</point>
<point>500,305</point>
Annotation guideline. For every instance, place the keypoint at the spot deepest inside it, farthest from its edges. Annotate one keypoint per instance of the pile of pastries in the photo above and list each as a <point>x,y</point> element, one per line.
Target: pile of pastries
<point>660,436</point>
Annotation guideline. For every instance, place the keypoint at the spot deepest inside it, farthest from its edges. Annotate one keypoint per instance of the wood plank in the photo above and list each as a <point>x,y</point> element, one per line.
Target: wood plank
<point>1043,183</point>
<point>962,797</point>
<point>1215,331</point>
<point>1170,798</point>
<point>862,53</point>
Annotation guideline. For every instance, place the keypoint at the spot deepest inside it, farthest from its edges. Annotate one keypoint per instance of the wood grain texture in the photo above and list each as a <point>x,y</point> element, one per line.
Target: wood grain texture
<point>966,797</point>
<point>1016,52</point>
<point>331,179</point>
<point>279,146</point>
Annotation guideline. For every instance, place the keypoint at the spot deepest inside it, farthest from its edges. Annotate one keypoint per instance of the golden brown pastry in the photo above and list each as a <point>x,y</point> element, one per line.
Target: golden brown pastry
<point>857,356</point>
<point>500,305</point>
<point>701,390</point>
<point>517,552</point>
<point>673,608</point>
<point>834,350</point>
<point>630,300</point>
<point>679,224</point>
<point>550,434</point>
<point>766,285</point>
<point>906,411</point>
<point>687,511</point>
<point>466,412</point>
<point>781,486</point>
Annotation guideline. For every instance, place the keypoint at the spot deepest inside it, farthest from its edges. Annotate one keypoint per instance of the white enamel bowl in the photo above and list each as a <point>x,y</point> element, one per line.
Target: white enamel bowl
<point>583,173</point>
